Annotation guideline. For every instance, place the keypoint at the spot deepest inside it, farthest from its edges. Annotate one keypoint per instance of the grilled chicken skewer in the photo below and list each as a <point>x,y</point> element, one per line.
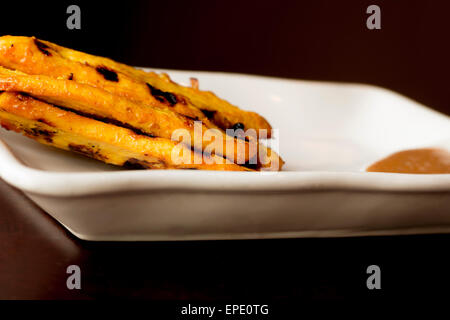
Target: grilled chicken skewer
<point>154,121</point>
<point>34,56</point>
<point>109,143</point>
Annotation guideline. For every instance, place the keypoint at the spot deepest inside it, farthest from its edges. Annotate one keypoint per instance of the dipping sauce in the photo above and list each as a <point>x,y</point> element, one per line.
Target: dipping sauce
<point>414,161</point>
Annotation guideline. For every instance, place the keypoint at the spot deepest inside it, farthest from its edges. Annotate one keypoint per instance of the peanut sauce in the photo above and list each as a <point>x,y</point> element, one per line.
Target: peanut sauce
<point>426,160</point>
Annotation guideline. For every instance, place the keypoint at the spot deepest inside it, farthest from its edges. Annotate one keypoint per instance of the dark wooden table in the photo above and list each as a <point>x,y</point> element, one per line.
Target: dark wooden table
<point>35,252</point>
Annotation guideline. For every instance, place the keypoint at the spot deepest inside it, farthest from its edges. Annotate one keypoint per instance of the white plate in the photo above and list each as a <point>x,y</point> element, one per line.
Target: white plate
<point>328,134</point>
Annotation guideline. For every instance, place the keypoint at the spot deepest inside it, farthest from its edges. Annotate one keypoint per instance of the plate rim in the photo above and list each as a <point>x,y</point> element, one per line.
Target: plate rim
<point>60,184</point>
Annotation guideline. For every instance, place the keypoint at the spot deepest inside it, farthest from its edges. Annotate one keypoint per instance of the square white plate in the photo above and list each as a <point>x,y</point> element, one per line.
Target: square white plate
<point>328,134</point>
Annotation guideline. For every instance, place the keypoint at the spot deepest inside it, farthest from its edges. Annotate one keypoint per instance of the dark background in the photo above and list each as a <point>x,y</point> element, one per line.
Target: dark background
<point>322,40</point>
<point>311,39</point>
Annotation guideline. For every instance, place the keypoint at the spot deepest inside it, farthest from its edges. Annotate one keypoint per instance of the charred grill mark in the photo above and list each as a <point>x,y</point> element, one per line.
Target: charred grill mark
<point>251,163</point>
<point>250,166</point>
<point>208,113</point>
<point>108,121</point>
<point>42,47</point>
<point>22,96</point>
<point>192,118</point>
<point>241,137</point>
<point>45,122</point>
<point>39,132</point>
<point>126,126</point>
<point>107,73</point>
<point>87,151</point>
<point>239,133</point>
<point>137,164</point>
<point>162,96</point>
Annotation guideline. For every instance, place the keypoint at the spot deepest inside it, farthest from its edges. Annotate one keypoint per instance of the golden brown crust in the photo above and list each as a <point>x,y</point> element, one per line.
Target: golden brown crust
<point>67,77</point>
<point>220,111</point>
<point>29,56</point>
<point>105,142</point>
<point>156,121</point>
